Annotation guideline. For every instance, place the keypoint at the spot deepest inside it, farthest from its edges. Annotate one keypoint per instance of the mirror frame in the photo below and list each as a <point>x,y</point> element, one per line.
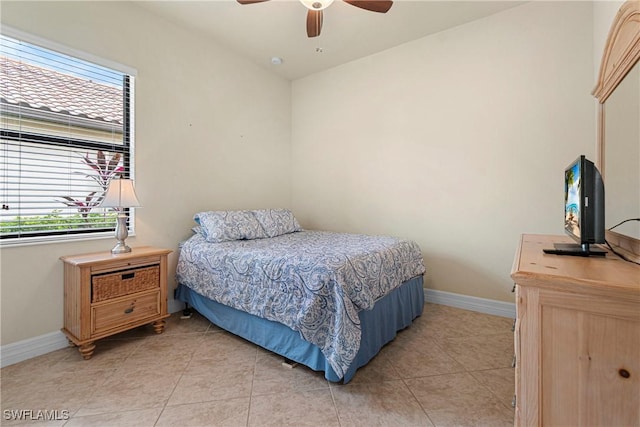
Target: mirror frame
<point>621,53</point>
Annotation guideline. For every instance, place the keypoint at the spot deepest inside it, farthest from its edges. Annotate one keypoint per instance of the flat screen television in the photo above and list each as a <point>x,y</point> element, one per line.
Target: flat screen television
<point>583,210</point>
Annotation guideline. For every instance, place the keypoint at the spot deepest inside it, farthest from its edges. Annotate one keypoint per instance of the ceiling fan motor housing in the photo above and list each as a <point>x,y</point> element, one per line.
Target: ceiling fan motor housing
<point>316,4</point>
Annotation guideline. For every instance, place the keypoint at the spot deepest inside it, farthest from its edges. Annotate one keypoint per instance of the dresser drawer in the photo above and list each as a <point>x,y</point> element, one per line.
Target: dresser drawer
<point>108,286</point>
<point>121,313</point>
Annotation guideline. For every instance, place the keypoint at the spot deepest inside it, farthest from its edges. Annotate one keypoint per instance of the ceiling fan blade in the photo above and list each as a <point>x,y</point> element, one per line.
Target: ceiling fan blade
<point>381,6</point>
<point>251,1</point>
<point>314,23</point>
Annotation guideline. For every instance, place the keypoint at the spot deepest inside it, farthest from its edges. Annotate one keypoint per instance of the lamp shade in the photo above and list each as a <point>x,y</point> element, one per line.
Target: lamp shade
<point>120,194</point>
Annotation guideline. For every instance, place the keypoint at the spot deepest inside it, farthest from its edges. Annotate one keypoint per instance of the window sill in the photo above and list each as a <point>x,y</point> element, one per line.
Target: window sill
<point>45,240</point>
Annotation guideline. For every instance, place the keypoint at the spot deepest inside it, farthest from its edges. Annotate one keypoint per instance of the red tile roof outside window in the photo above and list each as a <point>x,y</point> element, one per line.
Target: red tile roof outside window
<point>40,88</point>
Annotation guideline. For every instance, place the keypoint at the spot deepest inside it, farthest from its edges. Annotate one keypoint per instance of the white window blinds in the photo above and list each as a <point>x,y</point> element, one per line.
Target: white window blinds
<point>65,128</point>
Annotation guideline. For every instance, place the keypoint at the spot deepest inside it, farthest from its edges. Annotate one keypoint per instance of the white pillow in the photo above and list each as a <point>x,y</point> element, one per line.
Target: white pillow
<point>276,222</point>
<point>223,226</point>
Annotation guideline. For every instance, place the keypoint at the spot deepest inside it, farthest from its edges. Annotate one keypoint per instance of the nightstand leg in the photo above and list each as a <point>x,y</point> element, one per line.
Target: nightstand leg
<point>86,350</point>
<point>158,326</point>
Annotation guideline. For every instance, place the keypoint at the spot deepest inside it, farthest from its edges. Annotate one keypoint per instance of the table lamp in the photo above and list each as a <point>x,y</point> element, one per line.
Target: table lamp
<point>120,195</point>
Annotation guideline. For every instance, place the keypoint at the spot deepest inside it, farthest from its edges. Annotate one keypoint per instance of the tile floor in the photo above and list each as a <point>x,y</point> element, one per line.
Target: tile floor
<point>451,367</point>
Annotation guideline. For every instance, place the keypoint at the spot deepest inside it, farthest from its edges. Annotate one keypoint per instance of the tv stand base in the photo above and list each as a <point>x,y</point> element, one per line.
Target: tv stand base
<point>574,249</point>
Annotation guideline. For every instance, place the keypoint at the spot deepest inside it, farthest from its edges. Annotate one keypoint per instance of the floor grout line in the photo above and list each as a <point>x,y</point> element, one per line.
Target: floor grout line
<point>413,341</point>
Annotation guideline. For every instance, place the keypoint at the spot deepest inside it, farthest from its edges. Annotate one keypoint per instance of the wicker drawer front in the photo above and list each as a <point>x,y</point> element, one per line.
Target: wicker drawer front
<point>117,314</point>
<point>109,286</point>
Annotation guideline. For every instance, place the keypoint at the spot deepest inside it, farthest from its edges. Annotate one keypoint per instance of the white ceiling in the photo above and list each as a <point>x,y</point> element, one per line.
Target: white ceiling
<point>277,28</point>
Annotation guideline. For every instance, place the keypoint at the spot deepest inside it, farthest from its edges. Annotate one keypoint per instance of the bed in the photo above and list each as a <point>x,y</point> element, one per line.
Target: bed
<point>327,300</point>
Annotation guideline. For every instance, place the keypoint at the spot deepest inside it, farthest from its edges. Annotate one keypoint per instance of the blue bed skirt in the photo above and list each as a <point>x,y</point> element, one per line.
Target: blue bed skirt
<point>390,314</point>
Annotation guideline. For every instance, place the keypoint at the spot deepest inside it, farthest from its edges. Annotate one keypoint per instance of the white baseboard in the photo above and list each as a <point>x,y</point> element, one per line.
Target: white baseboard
<point>175,306</point>
<point>32,347</point>
<point>466,302</point>
<point>37,346</point>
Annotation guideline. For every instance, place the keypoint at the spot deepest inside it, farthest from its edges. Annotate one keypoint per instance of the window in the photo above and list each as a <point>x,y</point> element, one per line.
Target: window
<point>65,129</point>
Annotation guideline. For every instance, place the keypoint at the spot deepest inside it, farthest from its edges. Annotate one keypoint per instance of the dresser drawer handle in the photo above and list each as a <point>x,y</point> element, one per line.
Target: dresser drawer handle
<point>128,310</point>
<point>128,276</point>
<point>624,373</point>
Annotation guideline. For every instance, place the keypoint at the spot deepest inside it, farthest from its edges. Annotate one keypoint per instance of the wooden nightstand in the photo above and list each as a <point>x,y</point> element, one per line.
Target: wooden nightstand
<point>105,294</point>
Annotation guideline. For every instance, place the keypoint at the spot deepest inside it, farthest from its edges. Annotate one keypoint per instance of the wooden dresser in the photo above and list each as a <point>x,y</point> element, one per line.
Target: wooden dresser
<point>105,294</point>
<point>577,338</point>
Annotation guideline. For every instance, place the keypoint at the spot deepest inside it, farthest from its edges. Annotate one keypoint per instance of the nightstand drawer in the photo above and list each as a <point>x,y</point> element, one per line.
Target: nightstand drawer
<point>108,286</point>
<point>126,311</point>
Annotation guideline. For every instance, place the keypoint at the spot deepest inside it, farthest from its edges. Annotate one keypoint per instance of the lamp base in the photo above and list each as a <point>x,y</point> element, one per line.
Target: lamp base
<point>120,248</point>
<point>121,234</point>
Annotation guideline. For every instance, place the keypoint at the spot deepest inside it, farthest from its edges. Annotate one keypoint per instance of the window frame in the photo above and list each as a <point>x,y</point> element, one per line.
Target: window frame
<point>128,142</point>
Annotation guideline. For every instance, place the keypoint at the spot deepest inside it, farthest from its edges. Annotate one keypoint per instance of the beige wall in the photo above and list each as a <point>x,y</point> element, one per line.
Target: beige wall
<point>212,132</point>
<point>458,140</point>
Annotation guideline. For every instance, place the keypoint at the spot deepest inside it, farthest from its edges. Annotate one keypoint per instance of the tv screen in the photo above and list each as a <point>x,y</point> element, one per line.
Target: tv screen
<point>583,209</point>
<point>572,199</point>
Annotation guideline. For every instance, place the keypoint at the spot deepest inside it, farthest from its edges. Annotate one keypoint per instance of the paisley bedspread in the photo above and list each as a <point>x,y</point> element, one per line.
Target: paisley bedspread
<point>315,282</point>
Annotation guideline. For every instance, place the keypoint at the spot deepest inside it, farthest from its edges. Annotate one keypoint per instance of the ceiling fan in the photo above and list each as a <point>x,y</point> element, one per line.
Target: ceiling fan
<point>314,16</point>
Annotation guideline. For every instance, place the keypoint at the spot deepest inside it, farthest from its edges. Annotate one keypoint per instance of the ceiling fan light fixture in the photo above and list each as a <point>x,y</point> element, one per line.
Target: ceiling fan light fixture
<point>316,4</point>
